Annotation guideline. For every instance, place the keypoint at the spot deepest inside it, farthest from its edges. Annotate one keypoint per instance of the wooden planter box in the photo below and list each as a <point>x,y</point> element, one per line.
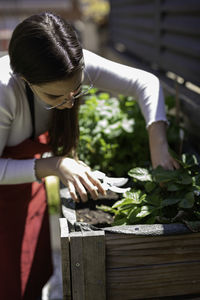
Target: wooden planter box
<point>129,262</point>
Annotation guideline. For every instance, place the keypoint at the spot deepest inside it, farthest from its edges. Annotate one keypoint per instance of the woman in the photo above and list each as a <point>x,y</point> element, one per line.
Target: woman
<point>40,86</point>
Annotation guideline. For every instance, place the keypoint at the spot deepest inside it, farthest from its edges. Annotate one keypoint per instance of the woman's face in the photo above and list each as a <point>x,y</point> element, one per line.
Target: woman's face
<point>57,92</point>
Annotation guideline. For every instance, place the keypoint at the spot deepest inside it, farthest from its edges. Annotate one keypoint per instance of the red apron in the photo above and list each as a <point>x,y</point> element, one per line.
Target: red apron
<point>25,251</point>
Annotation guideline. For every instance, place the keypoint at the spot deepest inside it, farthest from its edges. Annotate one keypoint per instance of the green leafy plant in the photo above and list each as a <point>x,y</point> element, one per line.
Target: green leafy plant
<point>113,135</point>
<point>111,138</point>
<point>161,196</point>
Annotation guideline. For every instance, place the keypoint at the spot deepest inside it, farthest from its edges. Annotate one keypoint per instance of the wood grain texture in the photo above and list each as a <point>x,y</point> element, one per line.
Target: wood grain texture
<point>65,256</point>
<point>141,267</point>
<point>77,271</point>
<point>130,250</point>
<point>88,265</point>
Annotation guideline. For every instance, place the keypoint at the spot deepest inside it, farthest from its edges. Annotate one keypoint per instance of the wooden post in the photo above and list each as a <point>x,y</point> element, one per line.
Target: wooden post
<point>88,265</point>
<point>64,234</point>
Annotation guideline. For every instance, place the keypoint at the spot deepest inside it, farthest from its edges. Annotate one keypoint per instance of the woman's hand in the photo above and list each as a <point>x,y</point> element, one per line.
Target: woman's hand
<point>159,147</point>
<point>78,176</point>
<point>74,174</point>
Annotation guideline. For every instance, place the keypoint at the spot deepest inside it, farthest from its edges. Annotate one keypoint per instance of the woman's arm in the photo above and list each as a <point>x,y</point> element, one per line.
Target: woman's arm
<point>159,147</point>
<point>121,79</point>
<point>146,88</point>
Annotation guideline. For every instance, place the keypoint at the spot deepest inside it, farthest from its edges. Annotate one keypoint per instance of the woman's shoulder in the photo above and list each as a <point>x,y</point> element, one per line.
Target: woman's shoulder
<point>9,82</point>
<point>5,70</point>
<point>7,86</point>
<point>92,59</point>
<point>94,63</point>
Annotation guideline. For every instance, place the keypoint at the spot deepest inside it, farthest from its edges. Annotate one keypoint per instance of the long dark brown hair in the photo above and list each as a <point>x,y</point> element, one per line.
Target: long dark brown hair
<point>45,48</point>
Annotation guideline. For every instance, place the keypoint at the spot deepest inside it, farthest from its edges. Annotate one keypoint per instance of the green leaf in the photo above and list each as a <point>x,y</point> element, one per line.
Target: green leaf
<point>197,214</point>
<point>123,204</point>
<point>134,197</point>
<point>145,211</point>
<point>189,160</point>
<point>184,178</point>
<point>154,199</point>
<point>151,219</point>
<point>119,203</point>
<point>173,187</point>
<point>162,175</point>
<point>196,181</point>
<point>104,96</point>
<point>170,201</point>
<point>149,186</point>
<point>106,208</point>
<point>120,221</point>
<point>140,174</point>
<point>132,219</point>
<point>187,201</point>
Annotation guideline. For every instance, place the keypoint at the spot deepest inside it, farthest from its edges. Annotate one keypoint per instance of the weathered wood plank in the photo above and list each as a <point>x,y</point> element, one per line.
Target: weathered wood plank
<point>153,281</point>
<point>140,267</point>
<point>77,267</point>
<point>94,265</point>
<point>138,239</point>
<point>88,265</point>
<point>130,251</point>
<point>65,256</point>
<point>131,260</point>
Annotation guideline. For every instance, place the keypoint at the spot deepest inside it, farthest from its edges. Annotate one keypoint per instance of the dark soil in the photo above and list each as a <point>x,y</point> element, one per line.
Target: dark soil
<point>96,217</point>
<point>90,214</point>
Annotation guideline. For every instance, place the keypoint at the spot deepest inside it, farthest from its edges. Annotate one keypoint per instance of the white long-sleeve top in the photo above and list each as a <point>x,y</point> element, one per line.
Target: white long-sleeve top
<point>15,118</point>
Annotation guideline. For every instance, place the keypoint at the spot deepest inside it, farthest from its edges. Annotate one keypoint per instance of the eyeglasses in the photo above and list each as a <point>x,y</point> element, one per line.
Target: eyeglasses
<point>84,91</point>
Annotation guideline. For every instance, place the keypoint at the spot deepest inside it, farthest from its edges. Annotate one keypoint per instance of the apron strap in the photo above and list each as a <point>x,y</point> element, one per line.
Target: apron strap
<point>30,98</point>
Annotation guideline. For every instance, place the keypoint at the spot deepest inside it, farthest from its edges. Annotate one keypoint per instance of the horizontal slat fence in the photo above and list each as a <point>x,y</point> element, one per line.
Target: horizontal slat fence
<point>162,36</point>
<point>165,33</point>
